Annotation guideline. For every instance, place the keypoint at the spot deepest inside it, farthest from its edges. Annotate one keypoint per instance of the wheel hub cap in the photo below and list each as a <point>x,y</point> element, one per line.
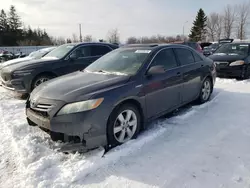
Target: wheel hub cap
<point>125,126</point>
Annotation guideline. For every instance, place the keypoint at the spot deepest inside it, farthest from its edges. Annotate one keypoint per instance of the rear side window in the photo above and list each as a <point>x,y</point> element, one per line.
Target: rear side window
<point>99,50</point>
<point>197,58</point>
<point>165,58</point>
<point>185,56</point>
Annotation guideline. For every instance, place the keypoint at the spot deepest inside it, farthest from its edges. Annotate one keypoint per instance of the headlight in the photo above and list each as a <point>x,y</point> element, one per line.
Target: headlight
<point>240,62</point>
<point>22,73</point>
<point>80,106</point>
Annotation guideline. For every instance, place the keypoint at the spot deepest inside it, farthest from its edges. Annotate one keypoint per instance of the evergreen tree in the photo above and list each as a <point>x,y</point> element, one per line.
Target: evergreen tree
<point>3,21</point>
<point>198,30</point>
<point>13,19</point>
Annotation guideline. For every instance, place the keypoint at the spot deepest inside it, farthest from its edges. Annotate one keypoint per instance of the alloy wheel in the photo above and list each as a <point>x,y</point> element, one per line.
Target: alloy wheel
<point>206,90</point>
<point>40,81</point>
<point>125,126</point>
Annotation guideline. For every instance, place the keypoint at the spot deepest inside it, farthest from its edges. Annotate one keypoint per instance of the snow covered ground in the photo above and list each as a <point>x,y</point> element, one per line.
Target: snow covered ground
<point>202,146</point>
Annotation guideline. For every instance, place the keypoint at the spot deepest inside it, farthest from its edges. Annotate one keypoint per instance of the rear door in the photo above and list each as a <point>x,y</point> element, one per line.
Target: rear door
<point>162,91</point>
<point>192,65</point>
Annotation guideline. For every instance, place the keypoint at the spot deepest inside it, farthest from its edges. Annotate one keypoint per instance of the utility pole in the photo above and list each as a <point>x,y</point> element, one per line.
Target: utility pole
<point>183,30</point>
<point>80,32</point>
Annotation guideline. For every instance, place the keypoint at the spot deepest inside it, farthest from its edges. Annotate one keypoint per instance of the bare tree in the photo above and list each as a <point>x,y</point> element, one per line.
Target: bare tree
<point>212,24</point>
<point>242,18</point>
<point>88,38</point>
<point>219,27</point>
<point>229,20</point>
<point>74,38</point>
<point>113,36</point>
<point>132,40</point>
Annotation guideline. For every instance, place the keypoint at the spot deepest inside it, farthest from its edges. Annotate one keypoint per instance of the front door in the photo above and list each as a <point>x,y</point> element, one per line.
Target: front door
<point>162,91</point>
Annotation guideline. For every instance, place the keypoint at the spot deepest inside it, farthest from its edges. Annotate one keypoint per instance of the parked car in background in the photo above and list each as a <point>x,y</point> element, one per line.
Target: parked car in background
<point>33,55</point>
<point>25,76</point>
<point>205,44</point>
<point>110,101</point>
<point>5,56</point>
<point>232,60</point>
<point>209,50</point>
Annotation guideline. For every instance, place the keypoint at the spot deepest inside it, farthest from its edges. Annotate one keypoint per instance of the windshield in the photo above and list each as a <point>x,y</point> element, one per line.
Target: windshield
<point>234,49</point>
<point>59,52</point>
<point>121,61</point>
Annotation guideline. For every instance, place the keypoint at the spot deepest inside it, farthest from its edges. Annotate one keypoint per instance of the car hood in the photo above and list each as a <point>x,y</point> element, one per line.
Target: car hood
<point>70,87</point>
<point>14,61</point>
<point>32,63</point>
<point>226,57</point>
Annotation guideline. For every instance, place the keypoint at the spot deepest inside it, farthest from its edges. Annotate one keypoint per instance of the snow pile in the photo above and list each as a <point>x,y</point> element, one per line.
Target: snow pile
<point>201,146</point>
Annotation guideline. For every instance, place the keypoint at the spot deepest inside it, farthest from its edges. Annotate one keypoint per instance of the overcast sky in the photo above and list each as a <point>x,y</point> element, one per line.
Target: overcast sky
<point>131,17</point>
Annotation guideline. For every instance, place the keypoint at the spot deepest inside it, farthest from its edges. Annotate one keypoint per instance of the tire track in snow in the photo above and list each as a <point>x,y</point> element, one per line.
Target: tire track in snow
<point>7,162</point>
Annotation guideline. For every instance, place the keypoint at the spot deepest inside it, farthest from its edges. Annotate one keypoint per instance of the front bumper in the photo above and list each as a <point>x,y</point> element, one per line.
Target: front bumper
<point>233,71</point>
<point>88,127</point>
<point>16,85</point>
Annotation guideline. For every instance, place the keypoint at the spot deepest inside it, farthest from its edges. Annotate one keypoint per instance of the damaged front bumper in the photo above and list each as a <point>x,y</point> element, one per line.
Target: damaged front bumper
<point>81,131</point>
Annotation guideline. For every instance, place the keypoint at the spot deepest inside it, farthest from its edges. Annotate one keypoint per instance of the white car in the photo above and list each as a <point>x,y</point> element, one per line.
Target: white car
<point>33,55</point>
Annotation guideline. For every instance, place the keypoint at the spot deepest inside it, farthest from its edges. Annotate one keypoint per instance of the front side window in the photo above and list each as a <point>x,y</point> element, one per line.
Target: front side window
<point>165,58</point>
<point>81,52</point>
<point>185,56</point>
<point>120,61</point>
<point>60,51</point>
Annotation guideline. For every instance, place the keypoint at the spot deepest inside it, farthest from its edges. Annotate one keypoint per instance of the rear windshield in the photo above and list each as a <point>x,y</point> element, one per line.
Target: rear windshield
<point>234,49</point>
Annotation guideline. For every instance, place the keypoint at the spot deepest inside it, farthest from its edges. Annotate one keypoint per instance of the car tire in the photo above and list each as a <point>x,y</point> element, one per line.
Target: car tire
<point>124,124</point>
<point>205,91</point>
<point>40,79</point>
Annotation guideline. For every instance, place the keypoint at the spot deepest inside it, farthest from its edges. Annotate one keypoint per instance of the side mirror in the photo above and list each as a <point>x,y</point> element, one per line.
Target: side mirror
<point>72,57</point>
<point>154,70</point>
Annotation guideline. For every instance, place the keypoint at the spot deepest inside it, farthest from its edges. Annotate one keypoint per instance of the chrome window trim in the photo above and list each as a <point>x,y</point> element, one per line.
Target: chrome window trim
<point>172,47</point>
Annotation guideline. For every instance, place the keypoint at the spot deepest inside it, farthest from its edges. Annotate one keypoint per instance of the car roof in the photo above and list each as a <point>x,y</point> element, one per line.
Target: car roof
<point>98,43</point>
<point>153,45</point>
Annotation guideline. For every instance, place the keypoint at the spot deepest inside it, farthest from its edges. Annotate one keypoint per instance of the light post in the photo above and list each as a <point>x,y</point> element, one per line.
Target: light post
<point>184,29</point>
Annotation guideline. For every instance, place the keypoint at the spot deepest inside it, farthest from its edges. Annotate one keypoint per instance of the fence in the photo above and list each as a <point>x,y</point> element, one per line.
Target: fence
<point>24,49</point>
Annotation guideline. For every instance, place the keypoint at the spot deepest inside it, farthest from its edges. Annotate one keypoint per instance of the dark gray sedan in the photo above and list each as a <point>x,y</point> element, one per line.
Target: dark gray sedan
<point>110,101</point>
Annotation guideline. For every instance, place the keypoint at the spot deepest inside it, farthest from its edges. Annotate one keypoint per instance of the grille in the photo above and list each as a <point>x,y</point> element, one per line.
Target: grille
<point>41,107</point>
<point>43,114</point>
<point>221,64</point>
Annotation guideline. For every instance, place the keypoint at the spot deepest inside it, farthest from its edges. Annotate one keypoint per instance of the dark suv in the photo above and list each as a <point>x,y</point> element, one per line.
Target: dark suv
<point>109,102</point>
<point>23,77</point>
